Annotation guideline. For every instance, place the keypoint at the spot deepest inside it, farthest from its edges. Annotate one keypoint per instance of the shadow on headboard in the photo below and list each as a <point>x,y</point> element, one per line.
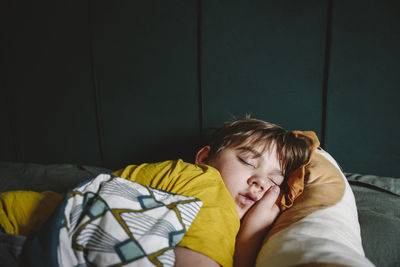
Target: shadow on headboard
<point>106,83</point>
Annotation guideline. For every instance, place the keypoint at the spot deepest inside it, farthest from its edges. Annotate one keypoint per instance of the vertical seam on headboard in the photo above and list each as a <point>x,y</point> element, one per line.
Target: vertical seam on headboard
<point>12,125</point>
<point>199,66</point>
<point>328,39</point>
<point>94,86</point>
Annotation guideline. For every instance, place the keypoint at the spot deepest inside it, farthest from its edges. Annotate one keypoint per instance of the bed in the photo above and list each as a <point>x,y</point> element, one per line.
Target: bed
<point>92,86</point>
<point>374,222</point>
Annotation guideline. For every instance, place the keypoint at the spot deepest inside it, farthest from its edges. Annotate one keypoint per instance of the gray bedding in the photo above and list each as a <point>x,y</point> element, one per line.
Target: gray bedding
<point>377,198</point>
<point>378,205</point>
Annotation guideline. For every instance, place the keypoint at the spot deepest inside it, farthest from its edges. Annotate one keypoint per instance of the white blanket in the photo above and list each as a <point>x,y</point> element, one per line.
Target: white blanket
<point>110,221</point>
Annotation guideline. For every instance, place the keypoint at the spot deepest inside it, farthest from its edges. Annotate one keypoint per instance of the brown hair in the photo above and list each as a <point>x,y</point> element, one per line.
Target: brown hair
<point>293,151</point>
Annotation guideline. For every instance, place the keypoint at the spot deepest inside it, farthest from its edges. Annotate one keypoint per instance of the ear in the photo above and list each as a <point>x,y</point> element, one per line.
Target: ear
<point>202,155</point>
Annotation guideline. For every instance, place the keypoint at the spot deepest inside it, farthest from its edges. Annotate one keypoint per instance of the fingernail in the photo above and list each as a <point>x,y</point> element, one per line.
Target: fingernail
<point>275,188</point>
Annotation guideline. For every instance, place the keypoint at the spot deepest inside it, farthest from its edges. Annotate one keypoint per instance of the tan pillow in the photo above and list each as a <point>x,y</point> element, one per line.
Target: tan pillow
<point>321,228</point>
<point>295,184</point>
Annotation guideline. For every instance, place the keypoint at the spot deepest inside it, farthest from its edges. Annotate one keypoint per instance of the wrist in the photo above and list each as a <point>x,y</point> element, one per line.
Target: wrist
<point>252,227</point>
<point>247,247</point>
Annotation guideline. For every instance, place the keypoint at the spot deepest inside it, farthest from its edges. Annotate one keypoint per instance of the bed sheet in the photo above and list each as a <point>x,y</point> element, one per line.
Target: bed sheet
<point>378,206</point>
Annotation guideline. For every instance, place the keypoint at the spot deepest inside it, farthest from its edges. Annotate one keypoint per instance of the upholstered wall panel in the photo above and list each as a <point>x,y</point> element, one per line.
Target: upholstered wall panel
<point>266,58</point>
<point>47,76</point>
<point>109,83</point>
<point>146,74</point>
<point>7,151</point>
<point>363,111</point>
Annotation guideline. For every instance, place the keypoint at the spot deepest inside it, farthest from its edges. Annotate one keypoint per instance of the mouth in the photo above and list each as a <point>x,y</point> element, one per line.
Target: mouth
<point>247,198</point>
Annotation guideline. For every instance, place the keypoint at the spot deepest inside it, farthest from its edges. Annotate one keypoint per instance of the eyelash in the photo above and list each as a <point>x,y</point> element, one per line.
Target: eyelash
<point>273,181</point>
<point>248,164</point>
<point>245,162</point>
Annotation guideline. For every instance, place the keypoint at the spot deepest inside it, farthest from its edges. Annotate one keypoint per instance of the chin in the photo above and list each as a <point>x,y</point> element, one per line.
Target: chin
<point>242,213</point>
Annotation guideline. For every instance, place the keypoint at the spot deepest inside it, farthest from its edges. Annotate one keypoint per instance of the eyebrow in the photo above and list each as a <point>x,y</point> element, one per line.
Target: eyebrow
<point>278,172</point>
<point>253,151</point>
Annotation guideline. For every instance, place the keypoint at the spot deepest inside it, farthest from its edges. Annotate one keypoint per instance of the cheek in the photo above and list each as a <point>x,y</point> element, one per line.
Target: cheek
<point>229,180</point>
<point>233,175</point>
<point>232,180</point>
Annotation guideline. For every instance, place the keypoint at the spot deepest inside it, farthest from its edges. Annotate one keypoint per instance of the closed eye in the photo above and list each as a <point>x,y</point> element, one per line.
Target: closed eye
<point>274,181</point>
<point>245,162</point>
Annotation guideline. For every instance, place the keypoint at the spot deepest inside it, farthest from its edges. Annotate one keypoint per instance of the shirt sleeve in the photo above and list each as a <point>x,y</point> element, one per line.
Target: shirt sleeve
<point>23,212</point>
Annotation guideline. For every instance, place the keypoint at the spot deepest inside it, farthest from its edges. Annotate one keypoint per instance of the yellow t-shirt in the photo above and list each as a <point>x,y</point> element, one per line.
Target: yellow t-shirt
<point>212,233</point>
<point>24,212</point>
<point>214,230</point>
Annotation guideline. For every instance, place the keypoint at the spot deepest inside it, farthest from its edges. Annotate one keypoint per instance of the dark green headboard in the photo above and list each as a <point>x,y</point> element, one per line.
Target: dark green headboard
<point>108,83</point>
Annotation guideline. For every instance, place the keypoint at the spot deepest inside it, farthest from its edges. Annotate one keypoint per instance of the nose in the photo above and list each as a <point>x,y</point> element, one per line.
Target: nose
<point>258,182</point>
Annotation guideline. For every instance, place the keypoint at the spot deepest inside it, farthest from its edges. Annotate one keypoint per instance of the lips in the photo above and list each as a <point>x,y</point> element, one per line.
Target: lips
<point>247,198</point>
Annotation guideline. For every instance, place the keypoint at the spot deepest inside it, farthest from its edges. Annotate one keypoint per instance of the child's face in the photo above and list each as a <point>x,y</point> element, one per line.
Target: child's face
<point>248,172</point>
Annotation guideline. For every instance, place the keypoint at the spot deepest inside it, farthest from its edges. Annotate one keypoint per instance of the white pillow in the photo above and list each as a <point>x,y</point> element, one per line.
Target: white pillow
<point>322,227</point>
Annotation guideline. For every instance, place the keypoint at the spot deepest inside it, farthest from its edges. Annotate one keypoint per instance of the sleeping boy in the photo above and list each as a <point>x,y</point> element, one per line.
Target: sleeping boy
<point>240,178</point>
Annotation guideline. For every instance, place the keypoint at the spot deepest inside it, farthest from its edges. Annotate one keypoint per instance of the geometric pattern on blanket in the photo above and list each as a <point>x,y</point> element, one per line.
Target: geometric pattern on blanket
<point>114,221</point>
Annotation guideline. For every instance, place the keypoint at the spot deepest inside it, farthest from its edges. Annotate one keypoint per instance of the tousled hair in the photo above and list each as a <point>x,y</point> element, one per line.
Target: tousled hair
<point>292,151</point>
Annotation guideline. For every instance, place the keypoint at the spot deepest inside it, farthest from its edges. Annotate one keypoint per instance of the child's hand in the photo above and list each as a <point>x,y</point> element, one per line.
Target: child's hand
<point>264,212</point>
<point>254,226</point>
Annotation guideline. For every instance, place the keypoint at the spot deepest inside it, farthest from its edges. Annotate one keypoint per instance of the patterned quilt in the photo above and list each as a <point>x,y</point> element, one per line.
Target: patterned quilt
<point>111,221</point>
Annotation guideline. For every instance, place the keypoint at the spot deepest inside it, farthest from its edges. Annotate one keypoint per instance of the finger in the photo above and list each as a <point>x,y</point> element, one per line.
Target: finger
<point>278,201</point>
<point>271,196</point>
<point>276,209</point>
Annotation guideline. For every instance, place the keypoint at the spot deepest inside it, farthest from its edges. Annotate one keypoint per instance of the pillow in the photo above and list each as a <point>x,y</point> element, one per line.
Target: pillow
<point>321,228</point>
